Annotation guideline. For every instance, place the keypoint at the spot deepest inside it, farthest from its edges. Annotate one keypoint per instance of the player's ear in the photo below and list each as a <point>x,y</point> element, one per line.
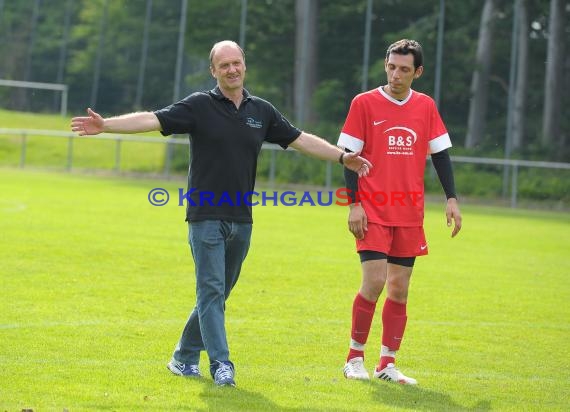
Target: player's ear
<point>418,72</point>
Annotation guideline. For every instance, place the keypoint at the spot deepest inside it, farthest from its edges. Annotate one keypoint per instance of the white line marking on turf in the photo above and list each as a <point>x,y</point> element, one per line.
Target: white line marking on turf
<point>142,322</point>
<point>108,322</point>
<point>12,207</point>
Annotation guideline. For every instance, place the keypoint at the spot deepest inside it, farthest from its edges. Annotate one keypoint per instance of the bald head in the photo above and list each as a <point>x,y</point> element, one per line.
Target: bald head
<point>224,44</point>
<point>227,65</point>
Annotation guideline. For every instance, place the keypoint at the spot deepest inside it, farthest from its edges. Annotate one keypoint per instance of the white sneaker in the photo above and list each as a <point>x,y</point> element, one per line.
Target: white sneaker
<point>354,369</point>
<point>184,369</point>
<point>391,374</point>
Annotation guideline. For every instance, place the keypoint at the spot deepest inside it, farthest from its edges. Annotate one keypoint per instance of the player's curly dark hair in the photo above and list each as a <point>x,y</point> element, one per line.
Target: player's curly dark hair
<point>407,46</point>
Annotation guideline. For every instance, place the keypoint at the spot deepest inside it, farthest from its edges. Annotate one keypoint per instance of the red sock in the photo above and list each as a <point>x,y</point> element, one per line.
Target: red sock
<point>384,361</point>
<point>362,314</point>
<point>393,325</point>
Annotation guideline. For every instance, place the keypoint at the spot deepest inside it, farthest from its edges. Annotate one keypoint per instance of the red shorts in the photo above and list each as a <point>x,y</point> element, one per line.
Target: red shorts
<point>397,241</point>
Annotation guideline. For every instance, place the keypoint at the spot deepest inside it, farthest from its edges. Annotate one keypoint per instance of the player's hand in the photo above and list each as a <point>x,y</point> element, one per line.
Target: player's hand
<point>452,213</point>
<point>357,221</point>
<point>354,162</point>
<point>90,125</point>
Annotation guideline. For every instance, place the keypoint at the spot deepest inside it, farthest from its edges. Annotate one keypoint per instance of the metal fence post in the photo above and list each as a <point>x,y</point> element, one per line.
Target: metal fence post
<point>328,175</point>
<point>70,152</point>
<point>118,155</point>
<point>272,168</point>
<point>63,111</point>
<point>168,161</point>
<point>23,151</point>
<point>514,185</point>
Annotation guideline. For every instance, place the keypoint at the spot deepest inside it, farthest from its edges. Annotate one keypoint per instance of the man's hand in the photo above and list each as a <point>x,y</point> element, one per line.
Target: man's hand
<point>357,221</point>
<point>357,164</point>
<point>452,213</point>
<point>90,125</point>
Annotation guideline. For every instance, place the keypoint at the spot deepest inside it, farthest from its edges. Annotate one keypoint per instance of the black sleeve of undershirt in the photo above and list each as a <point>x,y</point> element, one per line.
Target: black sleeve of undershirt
<point>351,182</point>
<point>442,164</point>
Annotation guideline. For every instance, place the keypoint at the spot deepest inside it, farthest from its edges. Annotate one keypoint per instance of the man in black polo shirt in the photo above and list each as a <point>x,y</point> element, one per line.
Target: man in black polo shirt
<point>227,127</point>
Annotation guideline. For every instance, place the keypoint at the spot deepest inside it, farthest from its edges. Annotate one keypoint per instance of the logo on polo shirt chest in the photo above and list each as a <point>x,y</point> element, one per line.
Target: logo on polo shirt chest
<point>251,122</point>
<point>401,140</point>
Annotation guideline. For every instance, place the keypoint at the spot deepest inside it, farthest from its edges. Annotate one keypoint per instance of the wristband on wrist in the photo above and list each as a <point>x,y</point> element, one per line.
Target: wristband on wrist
<point>341,158</point>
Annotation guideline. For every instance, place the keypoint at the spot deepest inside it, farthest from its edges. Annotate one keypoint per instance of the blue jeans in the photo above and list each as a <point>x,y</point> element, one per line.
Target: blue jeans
<point>219,249</point>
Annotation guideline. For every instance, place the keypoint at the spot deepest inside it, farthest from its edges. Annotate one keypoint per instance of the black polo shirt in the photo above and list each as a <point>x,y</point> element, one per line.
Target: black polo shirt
<point>224,146</point>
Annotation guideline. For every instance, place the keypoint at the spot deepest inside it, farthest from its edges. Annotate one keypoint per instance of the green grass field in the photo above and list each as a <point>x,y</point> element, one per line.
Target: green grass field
<point>96,285</point>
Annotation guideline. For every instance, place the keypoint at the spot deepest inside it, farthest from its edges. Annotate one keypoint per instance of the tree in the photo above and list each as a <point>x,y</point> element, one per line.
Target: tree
<point>305,59</point>
<point>480,79</point>
<point>554,73</point>
<point>521,89</point>
<point>271,54</point>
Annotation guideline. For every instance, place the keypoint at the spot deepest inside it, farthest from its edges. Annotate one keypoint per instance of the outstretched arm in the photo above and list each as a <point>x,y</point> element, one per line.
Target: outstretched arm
<point>320,148</point>
<point>128,123</point>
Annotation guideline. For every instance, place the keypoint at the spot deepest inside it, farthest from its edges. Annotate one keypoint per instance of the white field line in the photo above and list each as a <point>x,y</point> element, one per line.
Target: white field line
<point>79,323</point>
<point>273,321</point>
<point>11,206</point>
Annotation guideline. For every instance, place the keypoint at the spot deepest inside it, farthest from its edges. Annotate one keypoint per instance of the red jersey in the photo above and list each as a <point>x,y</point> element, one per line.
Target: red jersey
<point>396,136</point>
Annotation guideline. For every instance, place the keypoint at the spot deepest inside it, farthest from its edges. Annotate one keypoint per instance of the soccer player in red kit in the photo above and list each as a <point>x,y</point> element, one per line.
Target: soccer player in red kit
<point>396,128</point>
